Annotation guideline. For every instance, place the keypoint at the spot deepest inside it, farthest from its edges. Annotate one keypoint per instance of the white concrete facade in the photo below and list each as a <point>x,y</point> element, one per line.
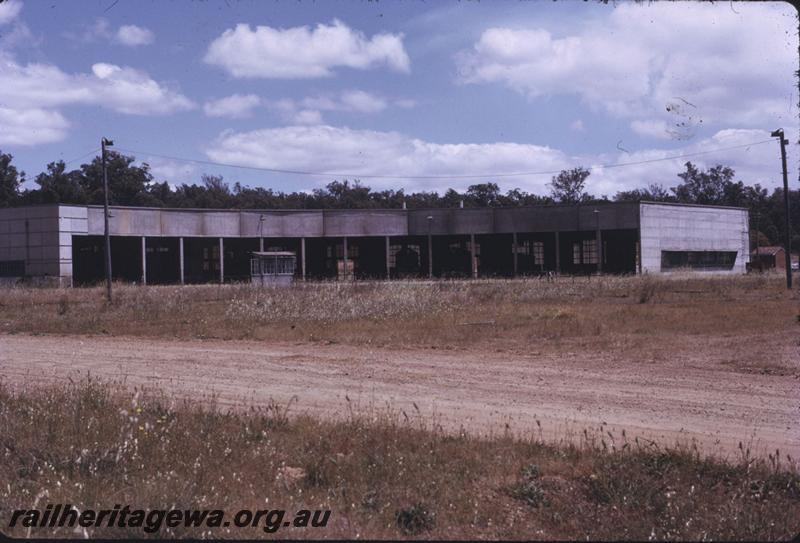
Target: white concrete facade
<point>672,227</point>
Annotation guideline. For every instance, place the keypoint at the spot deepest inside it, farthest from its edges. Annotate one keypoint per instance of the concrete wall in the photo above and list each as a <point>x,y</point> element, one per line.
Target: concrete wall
<point>41,236</point>
<point>365,222</point>
<point>668,227</point>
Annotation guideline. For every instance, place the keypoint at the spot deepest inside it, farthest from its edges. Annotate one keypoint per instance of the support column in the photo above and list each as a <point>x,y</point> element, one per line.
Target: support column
<point>472,256</point>
<point>346,274</point>
<point>144,260</point>
<point>180,258</point>
<point>639,256</point>
<point>221,261</point>
<point>430,254</point>
<point>261,245</point>
<point>558,255</point>
<point>388,274</point>
<point>303,258</point>
<point>514,248</point>
<point>599,237</point>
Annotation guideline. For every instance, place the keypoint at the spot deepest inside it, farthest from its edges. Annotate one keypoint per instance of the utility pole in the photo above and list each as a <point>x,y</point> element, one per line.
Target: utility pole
<point>787,241</point>
<point>103,144</point>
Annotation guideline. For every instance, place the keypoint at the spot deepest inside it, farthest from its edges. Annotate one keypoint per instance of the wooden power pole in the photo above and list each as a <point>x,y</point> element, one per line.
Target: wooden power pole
<point>103,144</point>
<point>787,241</point>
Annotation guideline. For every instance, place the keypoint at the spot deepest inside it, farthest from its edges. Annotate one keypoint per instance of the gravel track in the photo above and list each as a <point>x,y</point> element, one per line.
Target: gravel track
<point>691,395</point>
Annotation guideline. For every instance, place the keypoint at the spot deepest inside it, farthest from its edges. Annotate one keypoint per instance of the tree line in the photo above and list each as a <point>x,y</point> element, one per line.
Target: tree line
<point>134,185</point>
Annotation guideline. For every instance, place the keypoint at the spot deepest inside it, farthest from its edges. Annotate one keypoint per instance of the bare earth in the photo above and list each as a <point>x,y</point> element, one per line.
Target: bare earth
<point>682,397</point>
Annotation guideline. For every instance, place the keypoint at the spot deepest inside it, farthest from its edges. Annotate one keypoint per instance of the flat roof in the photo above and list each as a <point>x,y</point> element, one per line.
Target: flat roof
<point>351,209</point>
<point>367,209</point>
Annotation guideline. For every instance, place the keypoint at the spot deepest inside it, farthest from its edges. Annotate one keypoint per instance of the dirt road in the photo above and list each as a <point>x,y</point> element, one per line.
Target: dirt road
<point>686,396</point>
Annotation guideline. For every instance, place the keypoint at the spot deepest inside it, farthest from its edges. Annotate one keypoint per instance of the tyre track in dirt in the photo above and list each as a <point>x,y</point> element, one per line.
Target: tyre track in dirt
<point>690,396</point>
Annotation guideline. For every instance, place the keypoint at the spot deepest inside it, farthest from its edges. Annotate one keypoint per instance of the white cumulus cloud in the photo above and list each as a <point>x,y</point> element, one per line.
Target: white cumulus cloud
<point>121,89</point>
<point>35,91</point>
<point>9,11</point>
<point>170,171</point>
<point>363,102</point>
<point>733,66</point>
<point>131,91</point>
<point>307,116</point>
<point>651,128</point>
<point>309,110</point>
<point>749,162</point>
<point>236,106</point>
<point>303,52</point>
<point>133,35</point>
<point>32,126</point>
<point>365,153</point>
<point>326,148</point>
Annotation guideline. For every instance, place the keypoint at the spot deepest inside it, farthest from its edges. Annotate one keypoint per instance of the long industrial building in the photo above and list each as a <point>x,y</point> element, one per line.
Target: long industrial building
<point>64,244</point>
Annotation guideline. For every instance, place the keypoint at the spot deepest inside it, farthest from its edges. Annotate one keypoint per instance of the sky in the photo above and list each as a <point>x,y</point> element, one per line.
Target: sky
<point>414,95</point>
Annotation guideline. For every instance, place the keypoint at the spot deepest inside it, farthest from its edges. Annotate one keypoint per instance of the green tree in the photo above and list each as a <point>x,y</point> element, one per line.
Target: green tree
<point>127,184</point>
<point>568,186</point>
<point>58,186</point>
<point>10,181</point>
<point>218,192</point>
<point>484,194</point>
<point>704,187</point>
<point>653,193</point>
<point>517,197</point>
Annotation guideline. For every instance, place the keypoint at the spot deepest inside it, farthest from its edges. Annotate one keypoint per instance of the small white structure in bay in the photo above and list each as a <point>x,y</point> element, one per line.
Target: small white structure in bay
<point>273,268</point>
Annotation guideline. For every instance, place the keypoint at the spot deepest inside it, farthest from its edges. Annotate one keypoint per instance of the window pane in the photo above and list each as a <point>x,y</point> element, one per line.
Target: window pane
<point>538,253</point>
<point>590,251</point>
<point>698,260</point>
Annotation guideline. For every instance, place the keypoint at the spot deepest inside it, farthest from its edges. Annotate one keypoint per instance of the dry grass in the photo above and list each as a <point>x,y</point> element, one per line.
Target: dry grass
<point>383,476</point>
<point>627,318</point>
<point>609,312</point>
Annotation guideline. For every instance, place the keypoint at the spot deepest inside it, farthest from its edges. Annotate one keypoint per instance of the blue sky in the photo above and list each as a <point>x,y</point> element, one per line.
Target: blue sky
<point>407,89</point>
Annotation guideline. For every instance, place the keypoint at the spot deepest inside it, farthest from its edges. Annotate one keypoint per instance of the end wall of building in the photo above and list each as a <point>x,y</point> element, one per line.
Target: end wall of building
<point>687,228</point>
<point>36,242</point>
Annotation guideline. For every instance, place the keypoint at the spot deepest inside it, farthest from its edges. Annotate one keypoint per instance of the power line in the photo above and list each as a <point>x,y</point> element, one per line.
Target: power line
<point>471,176</point>
<point>93,151</point>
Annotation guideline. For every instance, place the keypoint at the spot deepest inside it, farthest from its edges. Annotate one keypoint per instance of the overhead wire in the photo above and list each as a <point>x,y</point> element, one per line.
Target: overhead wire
<point>93,151</point>
<point>455,176</point>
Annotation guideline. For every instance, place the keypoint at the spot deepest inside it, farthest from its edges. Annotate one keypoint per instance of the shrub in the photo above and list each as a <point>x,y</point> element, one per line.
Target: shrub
<point>415,519</point>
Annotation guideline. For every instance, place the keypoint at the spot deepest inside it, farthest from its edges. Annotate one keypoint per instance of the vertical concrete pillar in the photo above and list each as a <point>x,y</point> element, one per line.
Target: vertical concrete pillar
<point>473,258</point>
<point>221,261</point>
<point>144,260</point>
<point>180,259</point>
<point>261,245</point>
<point>639,257</point>
<point>346,274</point>
<point>514,249</point>
<point>430,254</point>
<point>388,276</point>
<point>558,255</point>
<point>599,237</point>
<point>303,258</point>
<point>27,242</point>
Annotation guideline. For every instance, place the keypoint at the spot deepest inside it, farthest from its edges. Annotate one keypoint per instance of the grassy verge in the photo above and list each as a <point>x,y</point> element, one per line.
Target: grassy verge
<point>383,475</point>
